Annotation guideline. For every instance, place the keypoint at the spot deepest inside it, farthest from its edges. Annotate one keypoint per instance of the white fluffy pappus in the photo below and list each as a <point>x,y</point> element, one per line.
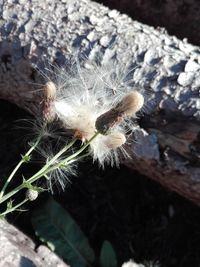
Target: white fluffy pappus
<point>59,177</point>
<point>85,94</point>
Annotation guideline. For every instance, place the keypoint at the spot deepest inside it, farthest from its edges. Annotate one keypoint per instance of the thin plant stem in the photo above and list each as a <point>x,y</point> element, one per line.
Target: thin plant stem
<point>82,148</point>
<point>19,165</point>
<point>39,174</point>
<point>15,207</point>
<point>72,158</point>
<point>13,192</point>
<point>48,167</point>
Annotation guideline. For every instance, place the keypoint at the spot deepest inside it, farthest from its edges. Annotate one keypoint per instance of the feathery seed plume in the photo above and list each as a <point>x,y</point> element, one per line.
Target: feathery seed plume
<point>96,99</point>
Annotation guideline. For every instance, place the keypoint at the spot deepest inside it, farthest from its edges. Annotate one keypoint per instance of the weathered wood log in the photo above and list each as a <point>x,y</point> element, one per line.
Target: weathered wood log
<point>184,16</point>
<point>167,148</point>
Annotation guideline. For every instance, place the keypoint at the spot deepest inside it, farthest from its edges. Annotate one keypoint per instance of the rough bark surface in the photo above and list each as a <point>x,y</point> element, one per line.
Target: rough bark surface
<point>167,148</point>
<point>19,250</point>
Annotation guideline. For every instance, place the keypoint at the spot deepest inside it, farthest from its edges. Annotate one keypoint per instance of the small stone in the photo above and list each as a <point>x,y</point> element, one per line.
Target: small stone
<point>186,48</point>
<point>22,2</point>
<point>198,104</point>
<point>196,82</point>
<point>6,14</point>
<point>22,36</point>
<point>92,36</point>
<point>94,19</point>
<point>113,14</point>
<point>185,78</point>
<point>169,62</point>
<point>29,26</point>
<point>12,1</point>
<point>151,57</point>
<point>105,40</point>
<point>191,66</point>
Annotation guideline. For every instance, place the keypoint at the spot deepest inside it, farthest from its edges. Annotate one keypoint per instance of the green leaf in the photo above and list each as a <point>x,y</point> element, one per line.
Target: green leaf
<point>9,204</point>
<point>33,187</point>
<point>54,225</point>
<point>26,158</point>
<point>107,256</point>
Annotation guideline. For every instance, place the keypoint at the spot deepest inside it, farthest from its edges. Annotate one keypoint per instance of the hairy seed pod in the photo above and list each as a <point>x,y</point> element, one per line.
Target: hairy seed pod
<point>49,96</point>
<point>107,121</point>
<point>31,194</point>
<point>115,140</point>
<point>130,104</point>
<point>127,107</point>
<point>49,91</point>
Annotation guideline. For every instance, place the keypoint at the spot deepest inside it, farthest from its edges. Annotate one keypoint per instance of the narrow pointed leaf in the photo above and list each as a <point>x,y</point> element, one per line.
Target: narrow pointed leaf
<point>54,226</point>
<point>107,256</point>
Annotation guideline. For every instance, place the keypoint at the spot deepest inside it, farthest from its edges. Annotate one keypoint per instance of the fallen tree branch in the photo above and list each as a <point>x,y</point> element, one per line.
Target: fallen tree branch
<point>168,142</point>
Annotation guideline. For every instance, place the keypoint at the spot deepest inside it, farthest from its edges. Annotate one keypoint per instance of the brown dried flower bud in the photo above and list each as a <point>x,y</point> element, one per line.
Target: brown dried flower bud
<point>107,120</point>
<point>127,107</point>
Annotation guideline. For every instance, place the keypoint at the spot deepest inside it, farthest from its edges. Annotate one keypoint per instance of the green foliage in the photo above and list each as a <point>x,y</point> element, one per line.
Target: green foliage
<point>107,256</point>
<point>28,185</point>
<point>54,225</point>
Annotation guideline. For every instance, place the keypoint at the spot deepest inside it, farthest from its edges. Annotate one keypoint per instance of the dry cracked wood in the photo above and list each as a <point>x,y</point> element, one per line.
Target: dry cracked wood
<point>167,148</point>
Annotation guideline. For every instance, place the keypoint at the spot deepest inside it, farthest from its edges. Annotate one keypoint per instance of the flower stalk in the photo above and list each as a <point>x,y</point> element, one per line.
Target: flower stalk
<point>25,158</point>
<point>89,110</point>
<point>43,172</point>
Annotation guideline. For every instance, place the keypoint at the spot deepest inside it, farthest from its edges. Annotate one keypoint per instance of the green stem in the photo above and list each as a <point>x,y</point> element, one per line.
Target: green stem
<point>14,208</point>
<point>48,167</point>
<point>13,192</point>
<point>72,158</point>
<point>18,166</point>
<point>82,148</point>
<point>39,174</point>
